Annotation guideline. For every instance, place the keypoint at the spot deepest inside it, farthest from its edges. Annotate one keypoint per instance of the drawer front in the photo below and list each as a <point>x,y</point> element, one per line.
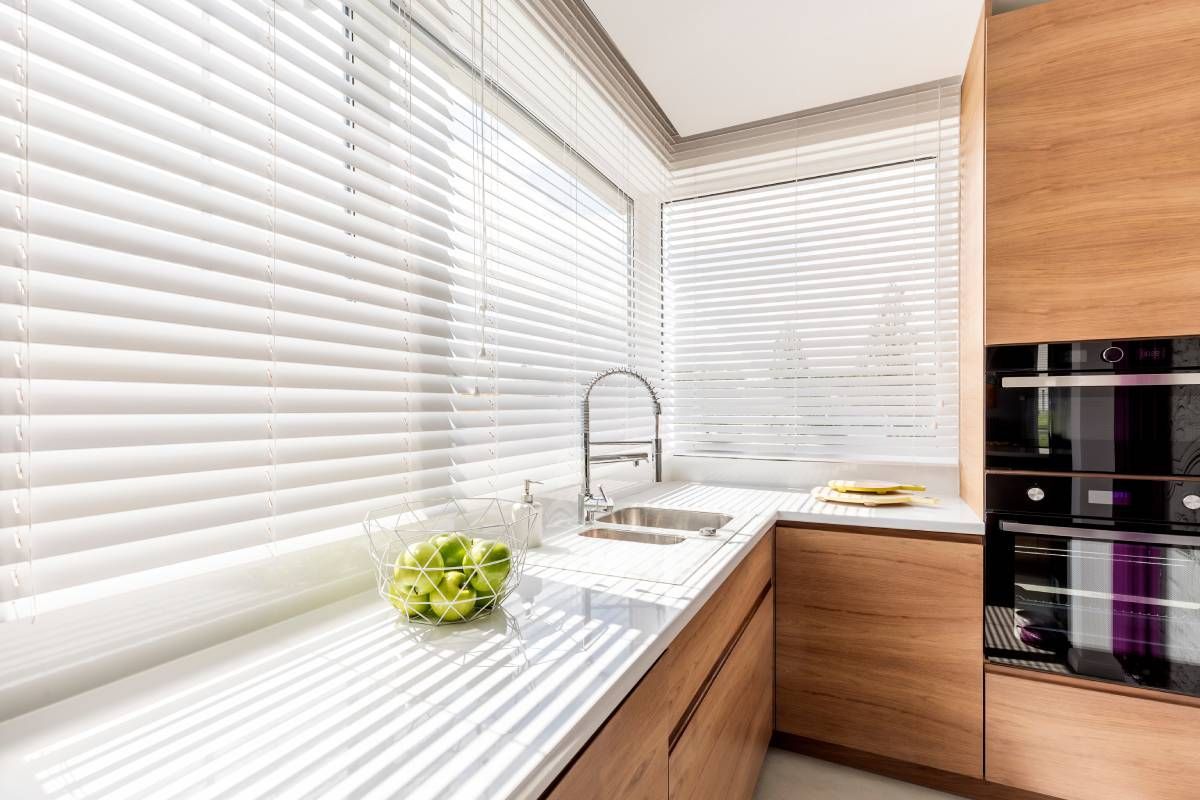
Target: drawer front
<point>719,753</point>
<point>700,645</point>
<point>1087,744</point>
<point>627,758</point>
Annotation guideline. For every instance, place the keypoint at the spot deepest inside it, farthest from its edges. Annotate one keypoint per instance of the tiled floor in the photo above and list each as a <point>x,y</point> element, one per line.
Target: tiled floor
<point>787,776</point>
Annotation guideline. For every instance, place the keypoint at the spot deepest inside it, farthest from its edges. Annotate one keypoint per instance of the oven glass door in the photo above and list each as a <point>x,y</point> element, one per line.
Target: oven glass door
<point>1098,603</point>
<point>1070,424</point>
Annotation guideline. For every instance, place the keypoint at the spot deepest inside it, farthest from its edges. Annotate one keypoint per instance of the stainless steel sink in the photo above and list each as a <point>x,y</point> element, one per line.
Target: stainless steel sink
<point>673,519</point>
<point>642,537</point>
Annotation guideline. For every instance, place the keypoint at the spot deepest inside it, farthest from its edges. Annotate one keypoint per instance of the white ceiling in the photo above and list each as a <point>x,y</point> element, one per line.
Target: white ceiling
<point>715,63</point>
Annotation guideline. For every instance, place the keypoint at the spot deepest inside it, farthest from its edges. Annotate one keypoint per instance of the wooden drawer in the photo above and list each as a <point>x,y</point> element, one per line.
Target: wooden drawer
<point>879,644</point>
<point>698,647</point>
<point>627,758</point>
<point>719,753</point>
<point>1078,743</point>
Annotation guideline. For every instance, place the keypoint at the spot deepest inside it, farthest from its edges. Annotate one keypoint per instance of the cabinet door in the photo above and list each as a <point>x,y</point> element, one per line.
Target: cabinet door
<point>627,758</point>
<point>719,753</point>
<point>1087,744</point>
<point>1093,177</point>
<point>879,644</point>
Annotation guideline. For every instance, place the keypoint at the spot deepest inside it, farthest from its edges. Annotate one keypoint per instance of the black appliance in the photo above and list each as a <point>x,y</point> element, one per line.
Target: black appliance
<point>1092,553</point>
<point>1121,407</point>
<point>1095,576</point>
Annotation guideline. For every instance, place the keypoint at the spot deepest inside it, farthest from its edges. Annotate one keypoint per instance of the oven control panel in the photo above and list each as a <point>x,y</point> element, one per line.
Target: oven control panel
<point>1105,355</point>
<point>1118,499</point>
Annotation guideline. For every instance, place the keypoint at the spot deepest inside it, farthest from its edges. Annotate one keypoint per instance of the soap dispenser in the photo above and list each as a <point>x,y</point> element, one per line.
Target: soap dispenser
<point>533,525</point>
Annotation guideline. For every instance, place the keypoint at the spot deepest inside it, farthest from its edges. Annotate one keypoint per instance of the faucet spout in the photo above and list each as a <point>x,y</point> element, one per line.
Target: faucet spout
<point>588,504</point>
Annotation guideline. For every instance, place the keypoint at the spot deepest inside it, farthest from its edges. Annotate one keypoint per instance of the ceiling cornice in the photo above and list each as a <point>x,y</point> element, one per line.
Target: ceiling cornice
<point>575,22</point>
<point>684,144</point>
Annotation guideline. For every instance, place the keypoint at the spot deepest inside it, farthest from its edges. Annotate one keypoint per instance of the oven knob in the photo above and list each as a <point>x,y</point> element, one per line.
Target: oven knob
<point>1036,494</point>
<point>1112,354</point>
<point>1192,502</point>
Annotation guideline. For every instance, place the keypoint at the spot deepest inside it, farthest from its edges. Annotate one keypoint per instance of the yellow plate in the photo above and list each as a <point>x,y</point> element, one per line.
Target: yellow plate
<point>868,499</point>
<point>874,486</point>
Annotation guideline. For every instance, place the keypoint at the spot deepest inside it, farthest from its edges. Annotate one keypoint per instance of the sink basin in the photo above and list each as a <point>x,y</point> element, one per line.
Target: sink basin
<point>673,519</point>
<point>642,537</point>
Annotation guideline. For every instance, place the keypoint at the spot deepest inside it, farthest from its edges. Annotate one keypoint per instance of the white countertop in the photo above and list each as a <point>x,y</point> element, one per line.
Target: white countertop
<point>347,701</point>
<point>782,505</point>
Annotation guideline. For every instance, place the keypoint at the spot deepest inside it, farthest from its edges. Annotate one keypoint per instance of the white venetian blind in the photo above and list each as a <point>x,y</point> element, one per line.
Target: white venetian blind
<point>269,265</point>
<point>574,208</point>
<point>813,284</point>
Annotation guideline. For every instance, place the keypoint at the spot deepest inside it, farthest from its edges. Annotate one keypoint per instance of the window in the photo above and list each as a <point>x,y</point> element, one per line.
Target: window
<point>559,284</point>
<point>816,317</point>
<point>270,265</point>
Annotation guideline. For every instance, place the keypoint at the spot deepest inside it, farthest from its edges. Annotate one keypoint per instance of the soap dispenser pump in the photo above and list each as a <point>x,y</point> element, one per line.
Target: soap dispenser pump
<point>532,522</point>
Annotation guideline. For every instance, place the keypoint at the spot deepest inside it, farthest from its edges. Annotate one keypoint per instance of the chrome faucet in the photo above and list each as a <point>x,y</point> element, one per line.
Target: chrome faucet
<point>590,505</point>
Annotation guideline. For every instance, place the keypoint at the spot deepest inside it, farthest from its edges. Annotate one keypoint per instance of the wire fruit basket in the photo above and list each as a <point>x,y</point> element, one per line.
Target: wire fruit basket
<point>448,560</point>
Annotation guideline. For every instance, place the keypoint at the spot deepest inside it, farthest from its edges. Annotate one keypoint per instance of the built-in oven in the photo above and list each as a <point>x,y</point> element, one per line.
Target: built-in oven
<point>1117,407</point>
<point>1095,576</point>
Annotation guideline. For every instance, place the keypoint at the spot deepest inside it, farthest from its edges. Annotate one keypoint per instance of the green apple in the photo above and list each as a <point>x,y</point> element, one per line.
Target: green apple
<point>487,564</point>
<point>452,600</point>
<point>454,580</point>
<point>420,567</point>
<point>452,547</point>
<point>408,601</point>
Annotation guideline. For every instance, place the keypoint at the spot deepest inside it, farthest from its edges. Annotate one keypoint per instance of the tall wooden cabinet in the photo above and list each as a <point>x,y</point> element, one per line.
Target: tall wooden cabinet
<point>879,644</point>
<point>971,388</point>
<point>1093,171</point>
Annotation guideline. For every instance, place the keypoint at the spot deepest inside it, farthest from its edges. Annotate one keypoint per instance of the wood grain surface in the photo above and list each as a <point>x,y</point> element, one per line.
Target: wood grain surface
<point>720,753</point>
<point>1093,171</point>
<point>695,651</point>
<point>971,270</point>
<point>1089,744</point>
<point>879,645</point>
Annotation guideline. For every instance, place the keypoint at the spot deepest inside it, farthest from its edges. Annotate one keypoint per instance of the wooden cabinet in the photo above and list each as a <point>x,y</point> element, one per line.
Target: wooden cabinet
<point>694,654</point>
<point>709,694</point>
<point>879,643</point>
<point>1092,173</point>
<point>971,387</point>
<point>1072,741</point>
<point>628,757</point>
<point>720,750</point>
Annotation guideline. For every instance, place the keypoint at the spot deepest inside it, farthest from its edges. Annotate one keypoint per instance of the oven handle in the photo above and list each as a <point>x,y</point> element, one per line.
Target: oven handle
<point>1133,379</point>
<point>1099,534</point>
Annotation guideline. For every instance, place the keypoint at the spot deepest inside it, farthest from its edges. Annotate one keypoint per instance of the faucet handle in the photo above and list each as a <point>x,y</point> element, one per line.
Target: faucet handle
<point>604,495</point>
